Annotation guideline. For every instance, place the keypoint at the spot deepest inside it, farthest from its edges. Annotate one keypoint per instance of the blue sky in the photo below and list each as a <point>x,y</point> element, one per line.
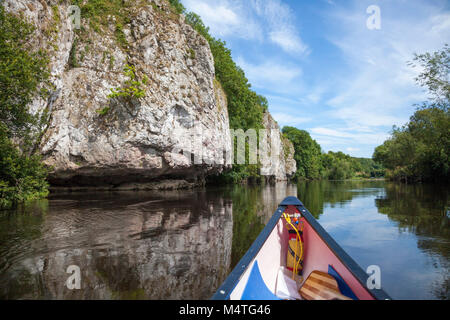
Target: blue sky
<point>323,70</point>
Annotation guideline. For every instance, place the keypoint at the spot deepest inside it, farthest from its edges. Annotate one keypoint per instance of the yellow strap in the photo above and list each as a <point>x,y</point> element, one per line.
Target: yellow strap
<point>299,240</point>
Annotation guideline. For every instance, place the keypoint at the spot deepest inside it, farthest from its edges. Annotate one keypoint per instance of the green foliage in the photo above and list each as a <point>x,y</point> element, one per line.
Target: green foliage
<point>245,107</point>
<point>369,168</point>
<point>120,36</point>
<point>435,74</point>
<point>21,71</point>
<point>241,173</point>
<point>307,153</point>
<point>132,87</point>
<point>420,149</point>
<point>103,111</point>
<point>192,53</point>
<point>73,63</point>
<point>22,176</point>
<point>177,6</point>
<point>98,13</point>
<point>313,164</point>
<point>338,166</point>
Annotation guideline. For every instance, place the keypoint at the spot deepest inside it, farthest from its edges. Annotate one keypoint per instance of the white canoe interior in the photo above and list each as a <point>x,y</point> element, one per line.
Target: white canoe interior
<point>272,256</point>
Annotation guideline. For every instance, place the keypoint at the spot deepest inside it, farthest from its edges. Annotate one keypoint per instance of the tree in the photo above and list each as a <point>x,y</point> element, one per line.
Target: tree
<point>22,176</point>
<point>21,71</point>
<point>307,153</point>
<point>435,75</point>
<point>420,149</point>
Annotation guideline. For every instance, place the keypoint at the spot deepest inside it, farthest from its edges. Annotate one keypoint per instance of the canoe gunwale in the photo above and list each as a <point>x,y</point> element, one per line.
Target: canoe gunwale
<point>225,290</point>
<point>347,261</point>
<point>223,293</point>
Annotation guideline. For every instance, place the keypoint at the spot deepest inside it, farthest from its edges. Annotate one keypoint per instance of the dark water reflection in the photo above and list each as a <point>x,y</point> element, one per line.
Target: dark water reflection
<point>182,244</point>
<point>128,246</point>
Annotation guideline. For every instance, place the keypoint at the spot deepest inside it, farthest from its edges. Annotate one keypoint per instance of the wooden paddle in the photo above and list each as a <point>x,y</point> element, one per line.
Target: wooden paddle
<point>321,286</point>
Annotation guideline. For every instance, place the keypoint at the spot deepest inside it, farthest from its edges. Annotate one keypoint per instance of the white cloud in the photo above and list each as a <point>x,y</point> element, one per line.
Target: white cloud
<point>289,41</point>
<point>313,95</point>
<point>226,17</point>
<point>343,136</point>
<point>271,74</point>
<point>280,25</point>
<point>267,20</point>
<point>285,119</point>
<point>331,133</point>
<point>379,89</point>
<point>441,23</point>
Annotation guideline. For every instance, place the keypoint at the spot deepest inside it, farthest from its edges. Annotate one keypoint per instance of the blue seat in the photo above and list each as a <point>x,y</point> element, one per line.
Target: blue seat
<point>256,288</point>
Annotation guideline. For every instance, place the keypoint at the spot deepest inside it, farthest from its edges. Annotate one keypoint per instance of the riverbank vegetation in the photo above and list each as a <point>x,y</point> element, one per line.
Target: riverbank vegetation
<point>313,164</point>
<point>420,150</point>
<point>22,176</point>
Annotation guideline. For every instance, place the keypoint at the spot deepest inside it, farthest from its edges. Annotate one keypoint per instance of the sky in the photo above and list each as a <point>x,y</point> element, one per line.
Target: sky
<point>335,68</point>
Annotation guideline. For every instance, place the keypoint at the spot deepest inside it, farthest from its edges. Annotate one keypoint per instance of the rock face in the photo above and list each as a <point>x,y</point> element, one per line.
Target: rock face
<point>280,164</point>
<point>177,132</point>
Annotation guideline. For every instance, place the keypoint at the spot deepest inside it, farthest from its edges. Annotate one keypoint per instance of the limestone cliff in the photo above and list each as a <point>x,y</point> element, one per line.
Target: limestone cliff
<point>178,130</point>
<point>280,164</point>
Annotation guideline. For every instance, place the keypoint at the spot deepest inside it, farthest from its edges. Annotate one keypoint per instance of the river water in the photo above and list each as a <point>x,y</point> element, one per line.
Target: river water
<point>183,244</point>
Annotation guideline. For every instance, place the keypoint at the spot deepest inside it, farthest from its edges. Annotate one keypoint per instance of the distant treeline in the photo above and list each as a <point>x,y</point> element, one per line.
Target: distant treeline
<point>419,151</point>
<point>313,164</point>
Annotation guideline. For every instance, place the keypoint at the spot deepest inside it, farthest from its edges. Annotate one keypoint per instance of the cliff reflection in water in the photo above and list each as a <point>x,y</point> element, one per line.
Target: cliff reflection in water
<point>173,245</point>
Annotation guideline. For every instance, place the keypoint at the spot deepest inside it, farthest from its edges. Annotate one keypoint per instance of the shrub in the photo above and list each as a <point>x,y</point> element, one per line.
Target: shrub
<point>177,6</point>
<point>132,87</point>
<point>22,177</point>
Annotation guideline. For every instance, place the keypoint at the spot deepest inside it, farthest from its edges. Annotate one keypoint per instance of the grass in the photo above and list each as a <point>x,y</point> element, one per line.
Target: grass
<point>73,62</point>
<point>103,111</point>
<point>192,53</point>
